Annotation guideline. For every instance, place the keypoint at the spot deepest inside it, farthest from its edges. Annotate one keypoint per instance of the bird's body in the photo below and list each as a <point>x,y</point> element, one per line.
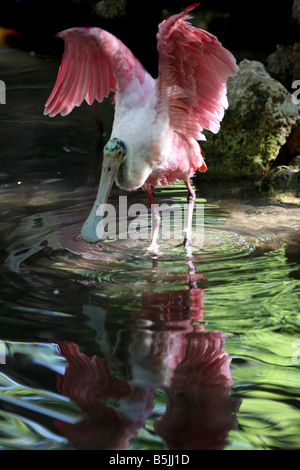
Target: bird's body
<point>157,122</point>
<point>135,116</point>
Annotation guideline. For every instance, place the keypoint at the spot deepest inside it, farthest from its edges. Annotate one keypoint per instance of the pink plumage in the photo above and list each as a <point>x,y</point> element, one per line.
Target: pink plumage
<point>157,121</point>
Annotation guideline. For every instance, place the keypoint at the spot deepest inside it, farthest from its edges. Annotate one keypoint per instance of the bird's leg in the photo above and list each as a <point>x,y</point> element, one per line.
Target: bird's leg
<point>191,204</point>
<point>155,218</point>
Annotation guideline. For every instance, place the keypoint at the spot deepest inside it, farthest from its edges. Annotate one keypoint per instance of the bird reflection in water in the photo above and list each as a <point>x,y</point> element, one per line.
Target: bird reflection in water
<point>167,349</point>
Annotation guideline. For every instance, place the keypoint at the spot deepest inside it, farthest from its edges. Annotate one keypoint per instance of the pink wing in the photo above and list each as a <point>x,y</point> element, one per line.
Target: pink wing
<point>193,69</point>
<point>94,63</point>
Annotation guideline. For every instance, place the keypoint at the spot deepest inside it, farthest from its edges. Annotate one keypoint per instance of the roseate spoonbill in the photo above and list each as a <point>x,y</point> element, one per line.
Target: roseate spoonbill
<point>157,122</point>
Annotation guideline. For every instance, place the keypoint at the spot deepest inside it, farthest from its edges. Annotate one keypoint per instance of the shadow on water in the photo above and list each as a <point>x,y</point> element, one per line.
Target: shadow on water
<point>106,346</point>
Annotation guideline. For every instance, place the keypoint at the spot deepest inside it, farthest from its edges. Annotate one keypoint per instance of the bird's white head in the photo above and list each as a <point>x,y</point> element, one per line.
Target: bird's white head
<point>114,153</point>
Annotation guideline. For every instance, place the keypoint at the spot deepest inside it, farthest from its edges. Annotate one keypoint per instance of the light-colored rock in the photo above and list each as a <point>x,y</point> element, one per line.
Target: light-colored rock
<point>259,120</point>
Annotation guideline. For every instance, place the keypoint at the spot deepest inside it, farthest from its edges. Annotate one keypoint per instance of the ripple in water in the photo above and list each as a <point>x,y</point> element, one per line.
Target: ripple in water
<point>54,237</point>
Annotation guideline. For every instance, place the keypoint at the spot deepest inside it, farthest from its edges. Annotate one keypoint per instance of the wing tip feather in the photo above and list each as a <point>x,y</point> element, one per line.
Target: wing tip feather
<point>78,78</point>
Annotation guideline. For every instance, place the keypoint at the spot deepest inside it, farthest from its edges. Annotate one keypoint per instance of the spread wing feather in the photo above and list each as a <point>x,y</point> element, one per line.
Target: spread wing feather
<point>94,63</point>
<point>193,70</point>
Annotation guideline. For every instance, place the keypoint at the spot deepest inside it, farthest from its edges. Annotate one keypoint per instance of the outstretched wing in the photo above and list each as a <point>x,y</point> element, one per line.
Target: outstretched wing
<point>94,63</point>
<point>193,69</point>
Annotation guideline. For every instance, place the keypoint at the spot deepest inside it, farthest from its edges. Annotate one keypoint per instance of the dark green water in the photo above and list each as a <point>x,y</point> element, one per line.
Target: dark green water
<point>110,347</point>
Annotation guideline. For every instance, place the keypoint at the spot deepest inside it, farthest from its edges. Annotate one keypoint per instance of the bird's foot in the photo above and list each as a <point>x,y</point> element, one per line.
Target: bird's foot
<point>153,248</point>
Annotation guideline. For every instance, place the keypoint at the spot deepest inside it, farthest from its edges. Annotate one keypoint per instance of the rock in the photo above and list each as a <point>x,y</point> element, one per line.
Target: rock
<point>259,120</point>
<point>282,184</point>
<point>291,149</point>
<point>293,143</point>
<point>284,178</point>
<point>284,64</point>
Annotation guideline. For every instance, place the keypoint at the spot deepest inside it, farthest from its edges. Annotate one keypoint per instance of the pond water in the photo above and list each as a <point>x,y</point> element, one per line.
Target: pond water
<point>108,346</point>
